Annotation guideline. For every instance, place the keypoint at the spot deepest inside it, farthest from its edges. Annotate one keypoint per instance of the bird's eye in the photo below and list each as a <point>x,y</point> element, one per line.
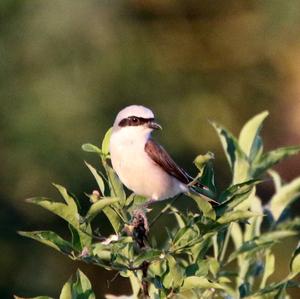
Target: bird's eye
<point>134,120</point>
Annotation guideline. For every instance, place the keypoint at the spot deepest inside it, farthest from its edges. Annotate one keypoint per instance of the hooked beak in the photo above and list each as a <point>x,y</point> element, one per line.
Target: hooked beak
<point>155,126</point>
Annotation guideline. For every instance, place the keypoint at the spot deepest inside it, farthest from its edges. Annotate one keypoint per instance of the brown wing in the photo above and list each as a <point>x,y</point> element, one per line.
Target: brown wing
<point>159,155</point>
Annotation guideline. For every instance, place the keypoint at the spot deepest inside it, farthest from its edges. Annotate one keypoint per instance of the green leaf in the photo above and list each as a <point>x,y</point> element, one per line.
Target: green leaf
<point>263,242</point>
<point>149,256</point>
<point>180,220</point>
<point>39,297</point>
<point>214,266</point>
<point>66,292</point>
<point>113,218</point>
<point>250,132</point>
<point>67,212</point>
<point>70,201</point>
<point>115,185</point>
<point>82,287</point>
<point>236,157</point>
<point>196,282</point>
<point>105,142</point>
<point>102,251</point>
<point>284,197</point>
<point>174,277</point>
<point>276,235</point>
<point>58,208</point>
<point>271,158</point>
<point>238,189</point>
<point>237,215</point>
<point>276,179</point>
<point>201,160</point>
<point>157,268</point>
<point>250,247</point>
<point>229,143</point>
<point>98,178</point>
<point>78,289</point>
<point>185,236</point>
<point>51,239</point>
<point>88,147</point>
<point>76,242</point>
<point>204,206</point>
<point>295,262</point>
<point>269,268</point>
<point>242,194</point>
<point>208,179</point>
<point>98,206</point>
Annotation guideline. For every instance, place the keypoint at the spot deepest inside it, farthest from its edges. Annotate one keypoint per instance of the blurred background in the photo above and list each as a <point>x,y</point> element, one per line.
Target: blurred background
<point>67,67</point>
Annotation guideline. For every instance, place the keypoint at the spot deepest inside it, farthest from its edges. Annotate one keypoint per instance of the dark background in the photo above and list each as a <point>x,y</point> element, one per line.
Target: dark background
<point>67,67</point>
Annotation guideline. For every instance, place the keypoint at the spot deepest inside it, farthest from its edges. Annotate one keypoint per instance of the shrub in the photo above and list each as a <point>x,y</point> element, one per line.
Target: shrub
<point>196,260</point>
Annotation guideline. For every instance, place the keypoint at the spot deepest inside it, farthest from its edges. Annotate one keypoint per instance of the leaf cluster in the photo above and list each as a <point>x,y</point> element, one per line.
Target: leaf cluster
<point>196,259</point>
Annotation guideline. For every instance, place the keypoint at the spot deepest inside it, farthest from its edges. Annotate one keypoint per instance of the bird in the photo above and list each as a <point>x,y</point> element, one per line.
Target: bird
<point>141,163</point>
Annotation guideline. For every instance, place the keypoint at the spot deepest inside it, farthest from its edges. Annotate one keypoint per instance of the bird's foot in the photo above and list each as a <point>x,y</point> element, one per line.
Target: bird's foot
<point>146,206</point>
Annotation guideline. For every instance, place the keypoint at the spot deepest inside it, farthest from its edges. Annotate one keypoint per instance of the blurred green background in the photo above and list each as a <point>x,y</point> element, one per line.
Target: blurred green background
<point>67,67</point>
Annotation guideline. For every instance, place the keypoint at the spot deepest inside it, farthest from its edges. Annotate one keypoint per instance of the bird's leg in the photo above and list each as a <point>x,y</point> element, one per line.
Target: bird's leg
<point>145,206</point>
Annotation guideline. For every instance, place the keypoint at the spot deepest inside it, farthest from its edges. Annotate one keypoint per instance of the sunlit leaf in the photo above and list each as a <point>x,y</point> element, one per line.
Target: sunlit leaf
<point>201,160</point>
<point>229,143</point>
<point>250,247</point>
<point>238,189</point>
<point>204,206</point>
<point>105,142</point>
<point>262,242</point>
<point>67,212</point>
<point>51,239</point>
<point>38,297</point>
<point>149,256</point>
<point>284,197</point>
<point>250,132</point>
<point>174,276</point>
<point>102,251</point>
<point>214,266</point>
<point>236,157</point>
<point>82,287</point>
<point>113,218</point>
<point>88,147</point>
<point>60,209</point>
<point>295,261</point>
<point>237,215</point>
<point>208,179</point>
<point>70,201</point>
<point>185,236</point>
<point>98,206</point>
<point>180,221</point>
<point>115,185</point>
<point>253,227</point>
<point>276,179</point>
<point>236,196</point>
<point>196,282</point>
<point>268,268</point>
<point>78,289</point>
<point>269,159</point>
<point>158,267</point>
<point>98,178</point>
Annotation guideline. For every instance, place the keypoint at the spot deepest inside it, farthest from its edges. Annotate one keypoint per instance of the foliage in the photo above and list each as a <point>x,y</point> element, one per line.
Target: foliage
<point>196,260</point>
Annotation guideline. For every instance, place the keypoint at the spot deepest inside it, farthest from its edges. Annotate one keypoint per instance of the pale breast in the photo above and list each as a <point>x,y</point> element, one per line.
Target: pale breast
<point>139,173</point>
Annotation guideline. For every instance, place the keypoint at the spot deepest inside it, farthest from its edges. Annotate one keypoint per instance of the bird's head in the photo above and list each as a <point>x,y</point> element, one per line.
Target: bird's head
<point>136,119</point>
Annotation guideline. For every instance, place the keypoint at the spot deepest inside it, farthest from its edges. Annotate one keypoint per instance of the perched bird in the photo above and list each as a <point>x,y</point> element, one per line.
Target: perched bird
<point>143,165</point>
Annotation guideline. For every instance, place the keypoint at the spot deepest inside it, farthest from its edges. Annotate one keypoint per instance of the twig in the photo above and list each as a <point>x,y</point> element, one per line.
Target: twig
<point>168,206</point>
<point>225,244</point>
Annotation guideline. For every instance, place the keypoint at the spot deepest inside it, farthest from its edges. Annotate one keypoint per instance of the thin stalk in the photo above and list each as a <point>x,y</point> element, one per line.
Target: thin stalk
<point>165,209</point>
<point>225,244</point>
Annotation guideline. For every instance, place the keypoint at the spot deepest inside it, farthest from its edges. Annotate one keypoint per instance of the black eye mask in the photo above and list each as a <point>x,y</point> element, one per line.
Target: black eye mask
<point>134,121</point>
